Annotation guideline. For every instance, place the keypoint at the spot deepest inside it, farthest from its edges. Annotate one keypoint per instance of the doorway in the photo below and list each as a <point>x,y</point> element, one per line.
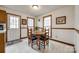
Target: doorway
<point>30,23</point>
<point>47,24</point>
<point>13,27</point>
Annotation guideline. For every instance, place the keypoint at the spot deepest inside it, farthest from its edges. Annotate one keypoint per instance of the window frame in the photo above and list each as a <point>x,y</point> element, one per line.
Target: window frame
<point>50,22</point>
<point>15,16</point>
<point>33,22</point>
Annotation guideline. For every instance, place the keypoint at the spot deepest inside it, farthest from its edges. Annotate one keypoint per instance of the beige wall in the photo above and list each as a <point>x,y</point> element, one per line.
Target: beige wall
<point>65,11</point>
<point>77,27</point>
<point>62,35</point>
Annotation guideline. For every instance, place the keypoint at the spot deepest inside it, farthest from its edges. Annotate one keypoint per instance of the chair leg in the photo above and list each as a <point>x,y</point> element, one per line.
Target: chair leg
<point>47,42</point>
<point>32,44</point>
<point>37,42</point>
<point>28,42</point>
<point>44,44</point>
<point>39,45</point>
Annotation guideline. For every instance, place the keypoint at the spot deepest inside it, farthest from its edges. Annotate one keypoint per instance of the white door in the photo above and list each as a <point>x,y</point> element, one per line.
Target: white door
<point>13,30</point>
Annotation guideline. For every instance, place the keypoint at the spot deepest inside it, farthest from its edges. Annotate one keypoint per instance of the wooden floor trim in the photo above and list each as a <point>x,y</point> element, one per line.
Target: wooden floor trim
<point>63,42</point>
<point>77,30</point>
<point>13,42</point>
<point>23,37</point>
<point>64,28</point>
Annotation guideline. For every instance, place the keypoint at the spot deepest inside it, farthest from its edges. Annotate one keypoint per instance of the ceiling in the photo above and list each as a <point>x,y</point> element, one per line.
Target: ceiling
<point>30,11</point>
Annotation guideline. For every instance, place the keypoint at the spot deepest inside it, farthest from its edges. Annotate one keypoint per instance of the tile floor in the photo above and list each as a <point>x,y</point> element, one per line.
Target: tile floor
<point>54,47</point>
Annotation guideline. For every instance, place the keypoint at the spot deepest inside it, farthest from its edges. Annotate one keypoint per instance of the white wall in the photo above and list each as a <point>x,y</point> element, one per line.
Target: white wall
<point>62,35</point>
<point>77,27</point>
<point>66,11</point>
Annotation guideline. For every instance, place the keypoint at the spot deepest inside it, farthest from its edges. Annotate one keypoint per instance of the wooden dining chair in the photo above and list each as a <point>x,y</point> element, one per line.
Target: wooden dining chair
<point>32,37</point>
<point>45,38</point>
<point>43,29</point>
<point>29,35</point>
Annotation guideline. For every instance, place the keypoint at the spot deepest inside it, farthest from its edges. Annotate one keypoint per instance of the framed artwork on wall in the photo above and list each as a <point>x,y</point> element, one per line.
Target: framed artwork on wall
<point>24,21</point>
<point>61,20</point>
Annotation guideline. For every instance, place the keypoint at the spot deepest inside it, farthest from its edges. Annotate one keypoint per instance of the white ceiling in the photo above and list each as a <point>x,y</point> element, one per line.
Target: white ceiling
<point>29,10</point>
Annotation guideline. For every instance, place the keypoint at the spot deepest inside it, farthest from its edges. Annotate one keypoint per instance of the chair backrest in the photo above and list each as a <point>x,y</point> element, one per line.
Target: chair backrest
<point>29,33</point>
<point>46,35</point>
<point>47,32</point>
<point>43,29</point>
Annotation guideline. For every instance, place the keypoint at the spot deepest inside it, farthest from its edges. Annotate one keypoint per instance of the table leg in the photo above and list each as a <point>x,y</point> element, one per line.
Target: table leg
<point>38,42</point>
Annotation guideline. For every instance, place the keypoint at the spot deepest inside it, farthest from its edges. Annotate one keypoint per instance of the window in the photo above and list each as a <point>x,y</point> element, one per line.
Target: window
<point>30,22</point>
<point>47,22</point>
<point>13,21</point>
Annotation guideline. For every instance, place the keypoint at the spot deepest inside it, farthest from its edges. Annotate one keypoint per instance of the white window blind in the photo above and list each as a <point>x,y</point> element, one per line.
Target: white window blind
<point>47,21</point>
<point>30,22</point>
<point>13,21</point>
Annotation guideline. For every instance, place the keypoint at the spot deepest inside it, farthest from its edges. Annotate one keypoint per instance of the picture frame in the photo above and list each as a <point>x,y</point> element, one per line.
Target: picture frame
<point>61,20</point>
<point>24,22</point>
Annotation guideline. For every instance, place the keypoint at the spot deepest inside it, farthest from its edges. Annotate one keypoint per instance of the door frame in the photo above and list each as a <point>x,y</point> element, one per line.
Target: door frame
<point>33,24</point>
<point>7,25</point>
<point>51,23</point>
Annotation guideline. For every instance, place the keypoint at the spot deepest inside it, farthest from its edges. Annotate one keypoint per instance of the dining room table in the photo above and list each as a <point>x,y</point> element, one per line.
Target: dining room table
<point>38,34</point>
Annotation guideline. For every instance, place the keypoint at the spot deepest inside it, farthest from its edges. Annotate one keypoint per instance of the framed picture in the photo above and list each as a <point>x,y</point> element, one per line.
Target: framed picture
<point>24,21</point>
<point>61,20</point>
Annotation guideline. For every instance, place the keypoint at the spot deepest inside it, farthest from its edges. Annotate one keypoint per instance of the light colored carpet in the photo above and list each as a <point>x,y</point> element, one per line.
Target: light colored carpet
<point>54,47</point>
